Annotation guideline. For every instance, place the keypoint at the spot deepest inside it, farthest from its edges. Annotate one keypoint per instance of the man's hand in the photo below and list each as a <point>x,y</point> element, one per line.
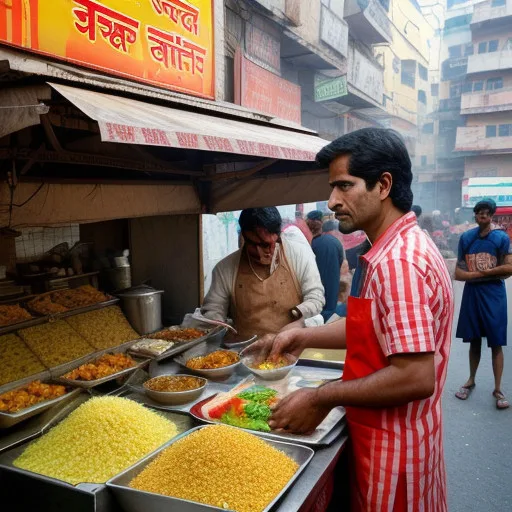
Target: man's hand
<point>299,412</point>
<point>273,345</point>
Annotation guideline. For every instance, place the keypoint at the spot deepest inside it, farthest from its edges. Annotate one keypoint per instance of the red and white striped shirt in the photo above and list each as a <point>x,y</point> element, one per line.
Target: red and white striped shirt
<point>407,279</point>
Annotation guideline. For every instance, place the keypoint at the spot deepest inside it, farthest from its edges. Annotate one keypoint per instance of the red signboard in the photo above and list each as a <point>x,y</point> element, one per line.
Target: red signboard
<point>259,89</point>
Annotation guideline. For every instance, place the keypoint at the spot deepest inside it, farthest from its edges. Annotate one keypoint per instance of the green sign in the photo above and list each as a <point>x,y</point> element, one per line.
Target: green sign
<point>330,88</point>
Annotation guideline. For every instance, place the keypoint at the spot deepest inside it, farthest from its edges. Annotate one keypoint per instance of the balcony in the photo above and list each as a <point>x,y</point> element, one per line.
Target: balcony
<point>473,138</point>
<point>494,61</point>
<point>486,102</point>
<point>486,16</point>
<point>454,68</point>
<point>368,21</point>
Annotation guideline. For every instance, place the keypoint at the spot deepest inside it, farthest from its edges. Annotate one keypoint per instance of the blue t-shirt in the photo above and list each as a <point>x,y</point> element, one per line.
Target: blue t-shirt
<point>329,258</point>
<point>478,253</point>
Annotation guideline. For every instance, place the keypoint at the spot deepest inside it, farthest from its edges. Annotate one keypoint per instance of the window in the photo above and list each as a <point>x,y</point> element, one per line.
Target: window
<point>508,44</point>
<point>422,96</point>
<point>498,3</point>
<point>494,83</point>
<point>482,47</point>
<point>505,130</point>
<point>423,160</point>
<point>408,76</point>
<point>434,89</point>
<point>467,87</point>
<point>493,45</point>
<point>478,86</point>
<point>490,131</point>
<point>458,21</point>
<point>428,128</point>
<point>469,50</point>
<point>455,51</point>
<point>423,72</point>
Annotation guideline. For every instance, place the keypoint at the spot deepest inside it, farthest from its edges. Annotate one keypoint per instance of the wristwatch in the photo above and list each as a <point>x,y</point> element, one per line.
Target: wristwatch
<point>296,313</point>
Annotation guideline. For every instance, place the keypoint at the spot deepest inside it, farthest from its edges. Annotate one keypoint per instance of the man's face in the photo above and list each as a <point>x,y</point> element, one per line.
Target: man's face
<point>315,226</point>
<point>355,206</point>
<point>260,245</point>
<point>483,218</point>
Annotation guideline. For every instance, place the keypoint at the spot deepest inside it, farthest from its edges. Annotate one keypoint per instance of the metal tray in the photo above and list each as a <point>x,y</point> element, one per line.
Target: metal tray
<point>141,362</point>
<point>9,419</point>
<point>6,329</point>
<point>133,500</point>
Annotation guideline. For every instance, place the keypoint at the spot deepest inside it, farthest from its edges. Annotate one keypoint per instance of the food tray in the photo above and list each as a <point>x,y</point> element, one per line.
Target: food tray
<point>133,500</point>
<point>6,329</point>
<point>9,419</point>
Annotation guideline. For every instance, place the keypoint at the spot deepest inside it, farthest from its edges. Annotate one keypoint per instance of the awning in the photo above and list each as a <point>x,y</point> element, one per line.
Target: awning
<point>131,121</point>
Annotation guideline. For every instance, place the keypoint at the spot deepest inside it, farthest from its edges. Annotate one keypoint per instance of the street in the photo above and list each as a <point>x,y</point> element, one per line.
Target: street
<point>478,437</point>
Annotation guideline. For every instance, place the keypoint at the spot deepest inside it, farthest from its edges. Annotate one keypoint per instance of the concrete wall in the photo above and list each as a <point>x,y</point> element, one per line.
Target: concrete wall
<point>488,165</point>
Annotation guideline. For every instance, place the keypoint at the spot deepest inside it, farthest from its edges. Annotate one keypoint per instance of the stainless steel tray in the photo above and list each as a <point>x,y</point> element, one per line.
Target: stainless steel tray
<point>93,307</point>
<point>133,500</point>
<point>9,419</point>
<point>6,329</point>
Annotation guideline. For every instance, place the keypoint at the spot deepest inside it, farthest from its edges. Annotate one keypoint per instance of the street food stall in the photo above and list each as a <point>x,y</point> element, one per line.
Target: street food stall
<point>135,169</point>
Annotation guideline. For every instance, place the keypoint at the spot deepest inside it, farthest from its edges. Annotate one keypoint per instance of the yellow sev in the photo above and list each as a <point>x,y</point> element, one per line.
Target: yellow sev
<point>220,466</point>
<point>101,438</point>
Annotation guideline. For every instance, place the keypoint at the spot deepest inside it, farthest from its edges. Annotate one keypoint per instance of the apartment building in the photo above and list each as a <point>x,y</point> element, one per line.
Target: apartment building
<point>486,98</point>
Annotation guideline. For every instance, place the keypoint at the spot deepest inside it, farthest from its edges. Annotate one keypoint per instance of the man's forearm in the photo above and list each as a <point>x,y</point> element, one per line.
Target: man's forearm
<point>388,387</point>
<point>464,275</point>
<point>293,325</point>
<point>503,271</point>
<point>329,336</point>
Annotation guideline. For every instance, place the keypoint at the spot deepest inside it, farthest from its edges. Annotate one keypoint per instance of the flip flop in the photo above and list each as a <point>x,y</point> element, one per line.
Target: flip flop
<point>464,392</point>
<point>501,401</point>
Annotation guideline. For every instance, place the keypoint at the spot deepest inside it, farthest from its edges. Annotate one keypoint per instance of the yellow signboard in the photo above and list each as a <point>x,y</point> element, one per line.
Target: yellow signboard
<point>168,43</point>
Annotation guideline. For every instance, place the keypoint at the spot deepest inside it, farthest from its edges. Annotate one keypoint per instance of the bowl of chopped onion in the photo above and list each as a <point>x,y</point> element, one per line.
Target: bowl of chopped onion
<point>269,369</point>
<point>176,389</point>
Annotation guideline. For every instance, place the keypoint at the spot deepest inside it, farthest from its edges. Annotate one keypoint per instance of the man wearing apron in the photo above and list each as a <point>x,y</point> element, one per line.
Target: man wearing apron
<point>485,259</point>
<point>397,334</point>
<point>271,283</point>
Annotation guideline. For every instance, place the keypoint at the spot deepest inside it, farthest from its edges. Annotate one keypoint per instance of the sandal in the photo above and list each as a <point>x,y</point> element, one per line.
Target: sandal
<point>501,401</point>
<point>464,392</point>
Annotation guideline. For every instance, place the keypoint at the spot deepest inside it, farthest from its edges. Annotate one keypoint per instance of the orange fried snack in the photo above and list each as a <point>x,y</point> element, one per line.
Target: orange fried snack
<point>33,393</point>
<point>13,314</point>
<point>217,359</point>
<point>106,365</point>
<point>44,305</point>
<point>78,297</point>
<point>177,334</point>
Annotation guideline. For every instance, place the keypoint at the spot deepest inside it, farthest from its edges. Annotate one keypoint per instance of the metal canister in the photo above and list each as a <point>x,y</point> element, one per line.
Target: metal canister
<point>143,307</point>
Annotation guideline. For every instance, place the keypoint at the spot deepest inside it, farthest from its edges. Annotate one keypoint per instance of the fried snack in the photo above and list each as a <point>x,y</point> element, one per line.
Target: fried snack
<point>177,335</point>
<point>55,343</point>
<point>45,306</point>
<point>106,365</point>
<point>78,297</point>
<point>173,383</point>
<point>13,314</point>
<point>217,359</point>
<point>103,328</point>
<point>32,394</point>
<point>17,361</point>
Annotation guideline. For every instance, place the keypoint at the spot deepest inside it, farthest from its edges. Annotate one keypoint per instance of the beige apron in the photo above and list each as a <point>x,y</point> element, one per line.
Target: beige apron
<point>262,307</point>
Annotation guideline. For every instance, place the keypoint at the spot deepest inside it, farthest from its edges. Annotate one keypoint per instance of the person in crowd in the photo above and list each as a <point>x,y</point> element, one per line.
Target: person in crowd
<point>329,259</point>
<point>484,261</point>
<point>417,210</point>
<point>271,283</point>
<point>397,334</point>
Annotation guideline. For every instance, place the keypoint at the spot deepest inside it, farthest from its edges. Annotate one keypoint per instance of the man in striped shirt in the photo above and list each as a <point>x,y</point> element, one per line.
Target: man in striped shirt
<point>397,334</point>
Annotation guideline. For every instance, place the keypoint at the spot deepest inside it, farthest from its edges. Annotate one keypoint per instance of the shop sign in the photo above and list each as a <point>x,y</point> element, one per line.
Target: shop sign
<point>333,31</point>
<point>366,76</point>
<point>378,17</point>
<point>259,89</point>
<point>263,48</point>
<point>167,43</point>
<point>330,88</point>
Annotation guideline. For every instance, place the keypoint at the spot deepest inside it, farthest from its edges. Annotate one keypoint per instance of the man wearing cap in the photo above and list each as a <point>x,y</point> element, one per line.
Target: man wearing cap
<point>329,258</point>
<point>484,261</point>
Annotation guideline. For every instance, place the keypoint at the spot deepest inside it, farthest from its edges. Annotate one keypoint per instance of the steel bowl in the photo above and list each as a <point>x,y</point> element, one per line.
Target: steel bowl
<point>249,360</point>
<point>175,397</point>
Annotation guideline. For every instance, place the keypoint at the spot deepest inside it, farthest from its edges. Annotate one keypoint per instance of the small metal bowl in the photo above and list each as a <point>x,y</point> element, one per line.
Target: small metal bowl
<point>249,360</point>
<point>175,397</point>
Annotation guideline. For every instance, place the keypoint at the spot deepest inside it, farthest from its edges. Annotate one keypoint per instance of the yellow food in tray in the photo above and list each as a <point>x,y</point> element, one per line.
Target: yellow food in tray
<point>55,343</point>
<point>101,438</point>
<point>103,328</point>
<point>13,314</point>
<point>29,395</point>
<point>17,361</point>
<point>220,466</point>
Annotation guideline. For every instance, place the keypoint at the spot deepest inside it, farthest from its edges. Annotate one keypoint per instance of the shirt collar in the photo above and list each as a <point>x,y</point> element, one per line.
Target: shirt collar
<point>398,227</point>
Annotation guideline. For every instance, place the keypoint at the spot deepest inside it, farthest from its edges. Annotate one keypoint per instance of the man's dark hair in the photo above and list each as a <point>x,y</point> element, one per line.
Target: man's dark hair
<point>374,151</point>
<point>330,225</point>
<point>485,204</point>
<point>417,210</point>
<point>268,218</point>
